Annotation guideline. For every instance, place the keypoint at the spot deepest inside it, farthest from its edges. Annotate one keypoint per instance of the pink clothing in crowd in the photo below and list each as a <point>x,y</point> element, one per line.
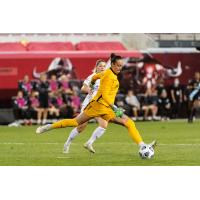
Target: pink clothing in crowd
<point>53,85</point>
<point>65,85</point>
<point>34,102</point>
<point>21,102</point>
<point>76,102</point>
<point>27,86</point>
<point>60,101</point>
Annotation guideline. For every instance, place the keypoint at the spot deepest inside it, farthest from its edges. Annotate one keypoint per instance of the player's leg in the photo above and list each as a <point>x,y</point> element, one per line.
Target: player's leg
<point>194,108</point>
<point>154,111</point>
<point>130,125</point>
<point>45,116</point>
<point>98,132</point>
<point>191,111</point>
<point>146,111</point>
<point>75,132</point>
<point>39,115</point>
<point>135,112</point>
<point>80,119</point>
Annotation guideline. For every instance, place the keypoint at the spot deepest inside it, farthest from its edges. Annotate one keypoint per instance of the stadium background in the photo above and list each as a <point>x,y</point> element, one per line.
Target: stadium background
<point>21,54</point>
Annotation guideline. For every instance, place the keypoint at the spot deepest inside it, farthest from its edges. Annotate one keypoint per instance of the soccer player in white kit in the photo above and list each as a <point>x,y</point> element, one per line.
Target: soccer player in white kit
<point>91,92</point>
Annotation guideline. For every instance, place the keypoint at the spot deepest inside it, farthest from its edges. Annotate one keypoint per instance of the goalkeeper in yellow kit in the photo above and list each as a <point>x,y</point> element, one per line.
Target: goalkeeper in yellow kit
<point>102,105</point>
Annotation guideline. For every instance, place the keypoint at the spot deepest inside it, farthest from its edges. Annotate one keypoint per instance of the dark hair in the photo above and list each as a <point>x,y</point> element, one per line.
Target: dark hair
<point>61,62</point>
<point>114,58</point>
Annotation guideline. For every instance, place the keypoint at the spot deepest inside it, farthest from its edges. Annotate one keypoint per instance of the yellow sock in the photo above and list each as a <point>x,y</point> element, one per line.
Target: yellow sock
<point>134,133</point>
<point>64,123</point>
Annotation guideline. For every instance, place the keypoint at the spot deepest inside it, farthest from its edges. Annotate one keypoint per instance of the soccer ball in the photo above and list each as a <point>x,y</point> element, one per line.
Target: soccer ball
<point>146,152</point>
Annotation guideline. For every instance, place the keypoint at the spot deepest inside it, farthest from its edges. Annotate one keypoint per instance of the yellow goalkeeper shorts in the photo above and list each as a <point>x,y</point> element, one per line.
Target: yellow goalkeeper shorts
<point>95,109</point>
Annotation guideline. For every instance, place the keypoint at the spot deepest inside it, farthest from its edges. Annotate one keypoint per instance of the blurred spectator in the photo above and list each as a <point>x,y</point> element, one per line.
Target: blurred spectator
<point>66,111</point>
<point>176,98</point>
<point>43,89</point>
<point>25,86</point>
<point>53,107</point>
<point>150,104</point>
<point>194,100</point>
<point>160,87</point>
<point>64,84</point>
<point>34,105</point>
<point>164,105</point>
<point>76,89</point>
<point>133,102</point>
<point>20,108</point>
<point>60,102</point>
<point>75,102</point>
<point>53,84</point>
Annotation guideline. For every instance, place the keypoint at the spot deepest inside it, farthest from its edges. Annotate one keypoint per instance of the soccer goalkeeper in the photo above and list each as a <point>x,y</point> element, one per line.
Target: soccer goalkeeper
<point>102,105</point>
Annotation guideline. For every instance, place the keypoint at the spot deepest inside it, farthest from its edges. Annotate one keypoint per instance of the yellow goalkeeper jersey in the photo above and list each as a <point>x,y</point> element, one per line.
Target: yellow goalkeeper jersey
<point>108,89</point>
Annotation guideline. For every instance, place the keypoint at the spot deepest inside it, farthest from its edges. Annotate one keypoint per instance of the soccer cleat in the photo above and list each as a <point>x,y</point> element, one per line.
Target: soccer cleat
<point>42,129</point>
<point>66,148</point>
<point>153,144</point>
<point>89,147</point>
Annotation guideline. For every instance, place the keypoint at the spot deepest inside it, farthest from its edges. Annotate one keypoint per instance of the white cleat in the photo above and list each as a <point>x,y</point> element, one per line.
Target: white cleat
<point>89,147</point>
<point>42,129</point>
<point>66,148</point>
<point>153,144</point>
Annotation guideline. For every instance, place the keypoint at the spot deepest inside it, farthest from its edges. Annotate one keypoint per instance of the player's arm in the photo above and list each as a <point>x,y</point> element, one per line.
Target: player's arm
<point>181,96</point>
<point>86,85</point>
<point>172,95</point>
<point>96,77</point>
<point>85,88</point>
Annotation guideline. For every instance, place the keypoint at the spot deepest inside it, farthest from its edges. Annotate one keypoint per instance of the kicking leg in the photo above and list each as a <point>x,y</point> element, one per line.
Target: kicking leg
<point>134,133</point>
<point>80,119</point>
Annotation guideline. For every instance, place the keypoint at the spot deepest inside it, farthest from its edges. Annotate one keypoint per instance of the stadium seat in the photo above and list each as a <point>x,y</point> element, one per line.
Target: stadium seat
<point>50,46</point>
<point>99,46</point>
<point>12,46</point>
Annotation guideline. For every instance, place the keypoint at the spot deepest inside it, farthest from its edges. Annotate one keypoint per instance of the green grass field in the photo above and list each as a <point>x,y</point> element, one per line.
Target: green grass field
<point>179,144</point>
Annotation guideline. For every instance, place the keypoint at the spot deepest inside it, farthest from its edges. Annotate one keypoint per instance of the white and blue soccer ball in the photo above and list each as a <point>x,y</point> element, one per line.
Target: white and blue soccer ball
<point>146,152</point>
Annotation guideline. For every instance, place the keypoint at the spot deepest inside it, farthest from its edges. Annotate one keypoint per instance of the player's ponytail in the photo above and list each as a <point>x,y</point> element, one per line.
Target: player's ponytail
<point>114,58</point>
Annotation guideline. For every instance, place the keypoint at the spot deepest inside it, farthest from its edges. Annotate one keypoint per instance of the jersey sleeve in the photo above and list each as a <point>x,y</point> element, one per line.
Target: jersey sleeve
<point>88,80</point>
<point>96,77</point>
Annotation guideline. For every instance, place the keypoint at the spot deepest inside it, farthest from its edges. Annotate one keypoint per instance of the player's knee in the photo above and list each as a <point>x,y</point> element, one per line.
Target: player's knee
<point>128,123</point>
<point>103,124</point>
<point>80,129</point>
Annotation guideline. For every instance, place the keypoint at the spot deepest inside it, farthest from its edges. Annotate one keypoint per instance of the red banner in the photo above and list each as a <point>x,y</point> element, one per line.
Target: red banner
<point>13,66</point>
<point>8,71</point>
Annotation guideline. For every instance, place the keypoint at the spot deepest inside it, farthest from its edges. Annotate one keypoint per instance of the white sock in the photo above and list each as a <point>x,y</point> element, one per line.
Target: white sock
<point>98,132</point>
<point>141,144</point>
<point>72,135</point>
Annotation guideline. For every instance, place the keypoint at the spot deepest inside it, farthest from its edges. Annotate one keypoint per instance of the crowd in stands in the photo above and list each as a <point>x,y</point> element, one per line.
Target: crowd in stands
<point>55,97</point>
<point>46,98</point>
<point>160,102</point>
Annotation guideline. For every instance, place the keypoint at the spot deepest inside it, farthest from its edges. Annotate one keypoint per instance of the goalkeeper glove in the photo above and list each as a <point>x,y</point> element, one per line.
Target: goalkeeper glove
<point>118,111</point>
<point>92,85</point>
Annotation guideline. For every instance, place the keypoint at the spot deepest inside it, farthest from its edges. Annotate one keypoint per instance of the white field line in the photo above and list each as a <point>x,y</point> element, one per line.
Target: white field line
<point>22,143</point>
<point>106,143</point>
<point>62,157</point>
<point>13,143</point>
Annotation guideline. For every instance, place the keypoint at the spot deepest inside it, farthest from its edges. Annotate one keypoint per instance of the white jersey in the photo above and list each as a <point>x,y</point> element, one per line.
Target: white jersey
<point>89,97</point>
